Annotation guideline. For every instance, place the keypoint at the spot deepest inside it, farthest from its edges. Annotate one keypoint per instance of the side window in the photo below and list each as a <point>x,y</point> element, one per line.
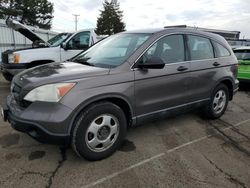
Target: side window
<point>200,48</point>
<point>170,49</point>
<point>79,41</point>
<point>221,51</point>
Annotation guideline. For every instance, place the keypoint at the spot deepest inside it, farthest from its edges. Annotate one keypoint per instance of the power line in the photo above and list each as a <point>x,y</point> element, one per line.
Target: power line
<point>76,20</point>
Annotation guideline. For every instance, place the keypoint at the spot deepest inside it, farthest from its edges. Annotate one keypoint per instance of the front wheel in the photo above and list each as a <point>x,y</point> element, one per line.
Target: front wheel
<point>218,102</point>
<point>99,131</point>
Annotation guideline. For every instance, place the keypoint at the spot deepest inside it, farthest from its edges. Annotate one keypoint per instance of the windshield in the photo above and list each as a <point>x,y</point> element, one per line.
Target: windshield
<point>242,54</point>
<point>58,39</point>
<point>112,51</point>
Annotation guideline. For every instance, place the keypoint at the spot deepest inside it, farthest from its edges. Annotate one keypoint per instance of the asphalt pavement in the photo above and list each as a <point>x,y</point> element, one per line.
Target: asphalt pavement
<point>180,151</point>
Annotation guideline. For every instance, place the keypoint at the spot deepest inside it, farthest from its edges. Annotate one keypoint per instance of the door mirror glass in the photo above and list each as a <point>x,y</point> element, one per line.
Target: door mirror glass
<point>152,63</point>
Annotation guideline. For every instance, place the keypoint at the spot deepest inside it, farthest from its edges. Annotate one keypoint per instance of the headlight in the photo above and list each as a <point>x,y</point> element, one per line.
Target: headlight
<point>49,93</point>
<point>14,58</point>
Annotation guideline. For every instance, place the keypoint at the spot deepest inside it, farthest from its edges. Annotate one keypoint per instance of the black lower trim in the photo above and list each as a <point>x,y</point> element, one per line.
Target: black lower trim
<point>36,132</point>
<point>15,66</point>
<point>244,80</point>
<point>25,65</point>
<point>162,114</point>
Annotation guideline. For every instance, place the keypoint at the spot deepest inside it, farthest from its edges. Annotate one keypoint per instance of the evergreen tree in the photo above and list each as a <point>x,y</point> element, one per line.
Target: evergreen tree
<point>110,19</point>
<point>30,12</point>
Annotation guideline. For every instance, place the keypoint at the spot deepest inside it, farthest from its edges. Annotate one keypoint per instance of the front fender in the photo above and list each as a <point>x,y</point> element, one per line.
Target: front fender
<point>98,98</point>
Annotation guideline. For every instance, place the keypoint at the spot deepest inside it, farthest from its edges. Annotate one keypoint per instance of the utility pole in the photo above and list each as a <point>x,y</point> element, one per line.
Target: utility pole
<point>76,20</point>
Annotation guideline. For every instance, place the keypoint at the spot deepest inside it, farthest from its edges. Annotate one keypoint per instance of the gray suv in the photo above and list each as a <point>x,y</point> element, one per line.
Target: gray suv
<point>122,81</point>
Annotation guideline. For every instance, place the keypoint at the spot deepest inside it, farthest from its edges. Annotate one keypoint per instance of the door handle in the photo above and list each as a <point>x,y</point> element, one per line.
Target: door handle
<point>216,64</point>
<point>182,68</point>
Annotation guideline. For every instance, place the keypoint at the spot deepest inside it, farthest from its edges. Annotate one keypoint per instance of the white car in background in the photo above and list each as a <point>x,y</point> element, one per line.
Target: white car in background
<point>60,48</point>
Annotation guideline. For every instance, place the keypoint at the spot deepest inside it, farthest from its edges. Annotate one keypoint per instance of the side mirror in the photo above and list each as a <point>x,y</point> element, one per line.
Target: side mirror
<point>64,46</point>
<point>152,63</point>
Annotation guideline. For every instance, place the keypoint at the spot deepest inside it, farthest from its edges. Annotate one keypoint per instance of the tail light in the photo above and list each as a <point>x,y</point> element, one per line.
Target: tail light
<point>234,69</point>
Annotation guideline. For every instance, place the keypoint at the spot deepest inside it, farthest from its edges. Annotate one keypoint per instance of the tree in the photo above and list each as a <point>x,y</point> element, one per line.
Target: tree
<point>30,12</point>
<point>110,19</point>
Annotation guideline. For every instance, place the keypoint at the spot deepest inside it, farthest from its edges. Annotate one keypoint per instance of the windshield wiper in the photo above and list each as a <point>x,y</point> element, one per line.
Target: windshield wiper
<point>84,62</point>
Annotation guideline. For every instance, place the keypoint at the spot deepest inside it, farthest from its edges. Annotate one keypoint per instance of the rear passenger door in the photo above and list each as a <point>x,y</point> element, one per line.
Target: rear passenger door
<point>205,65</point>
<point>158,89</point>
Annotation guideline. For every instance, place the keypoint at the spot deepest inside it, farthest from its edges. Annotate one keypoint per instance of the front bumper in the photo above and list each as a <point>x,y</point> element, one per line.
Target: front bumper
<point>12,68</point>
<point>47,123</point>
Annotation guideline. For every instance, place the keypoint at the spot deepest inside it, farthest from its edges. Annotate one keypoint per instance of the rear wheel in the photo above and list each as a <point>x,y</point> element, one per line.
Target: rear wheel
<point>99,131</point>
<point>218,102</point>
<point>7,76</point>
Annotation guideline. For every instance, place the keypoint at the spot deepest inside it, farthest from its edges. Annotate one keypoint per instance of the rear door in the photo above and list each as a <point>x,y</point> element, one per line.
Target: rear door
<point>158,89</point>
<point>207,59</point>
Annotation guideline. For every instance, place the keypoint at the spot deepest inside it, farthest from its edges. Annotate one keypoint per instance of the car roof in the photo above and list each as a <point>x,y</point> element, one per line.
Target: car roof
<point>150,31</point>
<point>177,30</point>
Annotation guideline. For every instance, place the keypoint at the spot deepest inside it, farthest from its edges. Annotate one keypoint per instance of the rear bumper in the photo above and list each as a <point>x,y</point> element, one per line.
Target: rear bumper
<point>46,130</point>
<point>235,91</point>
<point>236,87</point>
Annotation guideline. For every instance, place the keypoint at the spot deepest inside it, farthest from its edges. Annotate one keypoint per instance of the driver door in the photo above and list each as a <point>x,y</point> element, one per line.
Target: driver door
<point>159,89</point>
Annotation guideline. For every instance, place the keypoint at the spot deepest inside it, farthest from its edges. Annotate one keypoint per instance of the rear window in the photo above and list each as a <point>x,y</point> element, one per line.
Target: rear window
<point>200,48</point>
<point>242,54</point>
<point>221,51</point>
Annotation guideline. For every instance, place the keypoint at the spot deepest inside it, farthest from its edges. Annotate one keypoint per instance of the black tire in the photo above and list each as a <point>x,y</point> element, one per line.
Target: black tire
<point>209,111</point>
<point>7,76</point>
<point>83,123</point>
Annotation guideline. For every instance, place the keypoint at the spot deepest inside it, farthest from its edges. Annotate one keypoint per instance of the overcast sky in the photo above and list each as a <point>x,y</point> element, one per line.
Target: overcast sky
<point>217,14</point>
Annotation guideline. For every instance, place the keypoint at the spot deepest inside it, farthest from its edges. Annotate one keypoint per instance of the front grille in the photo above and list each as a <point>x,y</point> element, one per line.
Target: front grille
<point>16,91</point>
<point>24,103</point>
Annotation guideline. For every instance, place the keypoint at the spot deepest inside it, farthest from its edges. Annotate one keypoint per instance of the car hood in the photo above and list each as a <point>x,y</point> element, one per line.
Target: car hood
<point>24,30</point>
<point>56,72</point>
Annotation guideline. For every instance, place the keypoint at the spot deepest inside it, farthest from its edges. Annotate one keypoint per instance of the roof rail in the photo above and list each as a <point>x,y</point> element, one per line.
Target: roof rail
<point>173,26</point>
